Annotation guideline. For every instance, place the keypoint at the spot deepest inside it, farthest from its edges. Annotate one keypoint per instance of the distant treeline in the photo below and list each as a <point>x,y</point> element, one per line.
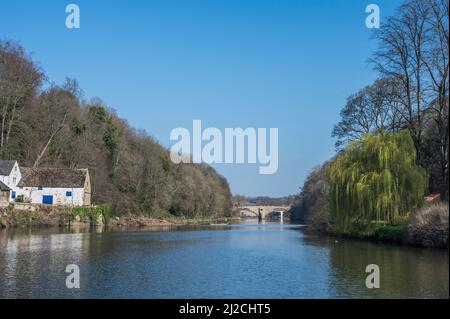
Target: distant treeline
<point>47,125</point>
<point>392,138</point>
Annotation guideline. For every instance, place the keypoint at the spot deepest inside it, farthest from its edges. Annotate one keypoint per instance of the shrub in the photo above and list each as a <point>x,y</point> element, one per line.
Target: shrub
<point>93,213</point>
<point>390,232</point>
<point>106,213</point>
<point>429,226</point>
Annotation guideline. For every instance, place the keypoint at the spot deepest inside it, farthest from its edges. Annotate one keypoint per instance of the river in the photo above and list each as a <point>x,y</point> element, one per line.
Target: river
<point>235,261</point>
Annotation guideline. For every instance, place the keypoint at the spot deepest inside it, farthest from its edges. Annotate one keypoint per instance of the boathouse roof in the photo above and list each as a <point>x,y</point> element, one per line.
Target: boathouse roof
<point>53,177</point>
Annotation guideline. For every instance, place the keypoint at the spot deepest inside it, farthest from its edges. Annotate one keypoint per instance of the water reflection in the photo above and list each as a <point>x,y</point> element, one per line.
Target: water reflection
<point>405,272</point>
<point>215,261</point>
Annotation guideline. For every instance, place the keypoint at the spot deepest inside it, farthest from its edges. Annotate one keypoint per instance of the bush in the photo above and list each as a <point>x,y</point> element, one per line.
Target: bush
<point>106,213</point>
<point>395,233</point>
<point>429,226</point>
<point>93,213</point>
<point>378,231</point>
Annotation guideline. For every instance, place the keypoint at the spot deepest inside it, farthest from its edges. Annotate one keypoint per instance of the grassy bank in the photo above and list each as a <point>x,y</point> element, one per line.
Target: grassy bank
<point>397,233</point>
<point>426,227</point>
<point>41,215</point>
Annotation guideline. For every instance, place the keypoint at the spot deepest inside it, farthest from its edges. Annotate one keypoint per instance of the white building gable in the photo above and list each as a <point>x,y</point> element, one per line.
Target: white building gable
<point>10,175</point>
<point>51,186</point>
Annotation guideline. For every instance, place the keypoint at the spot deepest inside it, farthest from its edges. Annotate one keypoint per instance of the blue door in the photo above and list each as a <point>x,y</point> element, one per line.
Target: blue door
<point>47,199</point>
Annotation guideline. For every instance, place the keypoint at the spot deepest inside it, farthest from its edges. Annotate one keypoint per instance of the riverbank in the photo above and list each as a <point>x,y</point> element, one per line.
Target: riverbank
<point>391,234</point>
<point>49,216</point>
<point>426,227</point>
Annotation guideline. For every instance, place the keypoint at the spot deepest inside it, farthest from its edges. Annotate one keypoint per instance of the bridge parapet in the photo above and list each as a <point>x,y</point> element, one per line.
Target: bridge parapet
<point>262,211</point>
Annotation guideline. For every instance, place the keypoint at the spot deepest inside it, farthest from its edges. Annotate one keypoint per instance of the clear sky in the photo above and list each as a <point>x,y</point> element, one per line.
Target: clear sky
<point>162,64</point>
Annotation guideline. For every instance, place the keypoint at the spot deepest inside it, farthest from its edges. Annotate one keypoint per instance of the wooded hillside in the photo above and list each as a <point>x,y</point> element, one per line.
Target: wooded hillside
<point>47,125</point>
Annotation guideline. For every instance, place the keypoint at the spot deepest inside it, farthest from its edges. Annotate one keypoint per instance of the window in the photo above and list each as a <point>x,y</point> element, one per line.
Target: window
<point>14,180</point>
<point>13,194</point>
<point>40,188</point>
<point>68,193</point>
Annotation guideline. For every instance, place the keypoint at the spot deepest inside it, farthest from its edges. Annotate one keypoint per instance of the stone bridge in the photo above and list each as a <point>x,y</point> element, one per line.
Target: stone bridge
<point>262,211</point>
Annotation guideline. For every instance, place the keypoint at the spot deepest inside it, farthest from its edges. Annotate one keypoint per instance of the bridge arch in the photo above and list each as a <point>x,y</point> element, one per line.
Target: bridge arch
<point>255,212</point>
<point>263,212</point>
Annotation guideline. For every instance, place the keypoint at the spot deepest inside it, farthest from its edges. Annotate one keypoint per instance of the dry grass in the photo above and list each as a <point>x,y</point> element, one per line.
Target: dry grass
<point>429,226</point>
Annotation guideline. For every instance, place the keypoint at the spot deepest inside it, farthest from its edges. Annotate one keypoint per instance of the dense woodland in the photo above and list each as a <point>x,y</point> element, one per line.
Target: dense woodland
<point>48,125</point>
<point>392,138</point>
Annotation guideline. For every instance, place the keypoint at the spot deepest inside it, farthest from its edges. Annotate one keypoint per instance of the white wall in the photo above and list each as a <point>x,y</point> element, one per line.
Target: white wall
<point>59,195</point>
<point>12,179</point>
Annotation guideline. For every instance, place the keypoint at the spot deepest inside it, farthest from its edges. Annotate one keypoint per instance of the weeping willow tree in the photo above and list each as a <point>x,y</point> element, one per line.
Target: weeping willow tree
<point>375,179</point>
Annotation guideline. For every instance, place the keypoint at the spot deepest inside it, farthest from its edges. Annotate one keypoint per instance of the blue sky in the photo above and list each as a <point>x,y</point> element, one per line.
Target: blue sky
<point>162,64</point>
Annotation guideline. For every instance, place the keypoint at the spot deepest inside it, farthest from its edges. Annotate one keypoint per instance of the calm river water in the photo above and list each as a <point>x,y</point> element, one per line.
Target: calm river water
<point>236,261</point>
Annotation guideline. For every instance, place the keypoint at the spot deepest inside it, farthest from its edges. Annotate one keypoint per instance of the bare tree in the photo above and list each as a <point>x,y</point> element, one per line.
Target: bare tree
<point>53,110</point>
<point>369,111</point>
<point>20,79</point>
<point>400,56</point>
<point>436,62</point>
